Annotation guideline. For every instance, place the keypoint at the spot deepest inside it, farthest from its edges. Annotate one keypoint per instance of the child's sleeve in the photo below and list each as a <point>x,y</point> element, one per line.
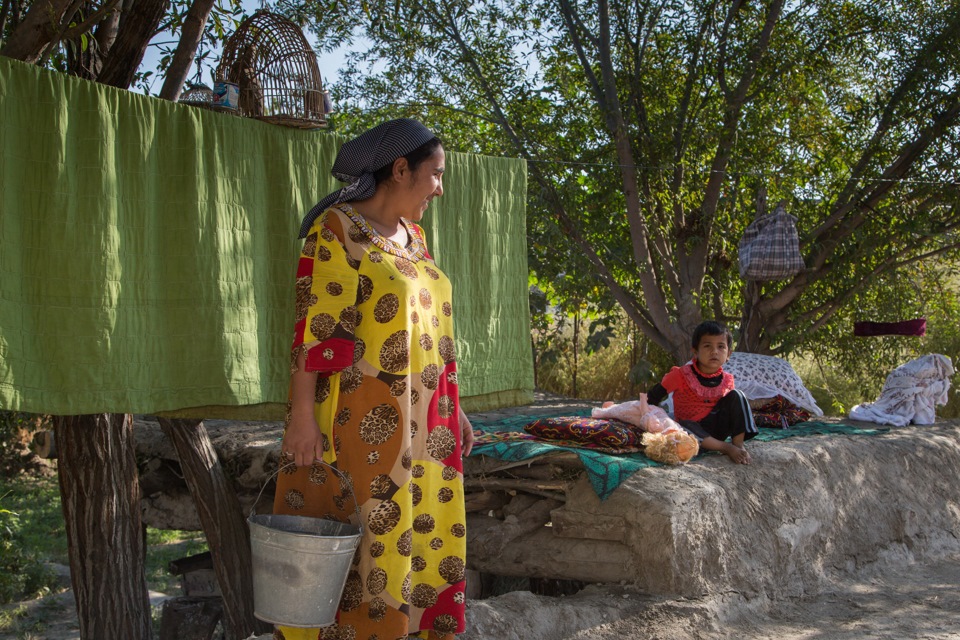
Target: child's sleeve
<point>670,383</point>
<point>656,395</point>
<point>326,309</point>
<point>673,380</point>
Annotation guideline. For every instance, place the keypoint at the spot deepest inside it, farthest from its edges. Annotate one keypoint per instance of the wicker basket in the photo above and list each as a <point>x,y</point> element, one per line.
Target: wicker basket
<point>276,70</point>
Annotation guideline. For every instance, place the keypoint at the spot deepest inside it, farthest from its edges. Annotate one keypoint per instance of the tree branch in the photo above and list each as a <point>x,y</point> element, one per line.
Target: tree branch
<point>845,199</point>
<point>572,23</point>
<point>654,296</point>
<point>901,165</point>
<point>136,29</point>
<point>627,301</point>
<point>828,310</point>
<point>32,35</point>
<point>4,11</point>
<point>190,36</point>
<point>77,30</point>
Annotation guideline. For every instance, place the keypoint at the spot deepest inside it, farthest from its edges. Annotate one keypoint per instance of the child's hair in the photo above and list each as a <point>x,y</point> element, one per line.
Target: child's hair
<point>711,328</point>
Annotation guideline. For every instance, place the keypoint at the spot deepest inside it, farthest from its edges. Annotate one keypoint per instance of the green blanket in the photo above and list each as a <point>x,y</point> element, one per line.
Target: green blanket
<point>607,471</point>
<point>148,251</point>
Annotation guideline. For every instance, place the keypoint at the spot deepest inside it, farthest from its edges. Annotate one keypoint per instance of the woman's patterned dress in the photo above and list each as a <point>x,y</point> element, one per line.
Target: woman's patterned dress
<point>376,321</point>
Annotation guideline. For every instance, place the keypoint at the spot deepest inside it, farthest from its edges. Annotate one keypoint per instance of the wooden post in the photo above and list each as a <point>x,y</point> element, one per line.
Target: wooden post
<point>100,494</point>
<point>222,520</point>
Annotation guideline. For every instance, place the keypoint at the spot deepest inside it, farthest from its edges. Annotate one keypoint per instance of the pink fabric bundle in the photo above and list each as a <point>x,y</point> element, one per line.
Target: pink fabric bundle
<point>638,413</point>
<point>631,412</point>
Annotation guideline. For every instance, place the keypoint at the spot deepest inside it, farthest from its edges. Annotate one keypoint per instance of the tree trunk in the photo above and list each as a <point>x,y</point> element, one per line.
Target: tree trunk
<point>186,49</point>
<point>4,11</point>
<point>100,494</point>
<point>106,34</point>
<point>222,521</point>
<point>137,27</point>
<point>536,367</point>
<point>39,26</point>
<point>576,348</point>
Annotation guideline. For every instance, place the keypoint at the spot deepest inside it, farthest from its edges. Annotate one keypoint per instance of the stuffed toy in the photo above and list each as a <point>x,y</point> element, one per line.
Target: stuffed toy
<point>671,446</point>
<point>665,441</point>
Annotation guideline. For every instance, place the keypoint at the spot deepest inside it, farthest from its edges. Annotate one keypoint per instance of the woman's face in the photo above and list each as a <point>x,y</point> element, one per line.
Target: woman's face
<point>424,184</point>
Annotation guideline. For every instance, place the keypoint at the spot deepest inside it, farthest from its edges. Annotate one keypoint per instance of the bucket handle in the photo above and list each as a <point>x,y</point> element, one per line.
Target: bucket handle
<point>346,482</point>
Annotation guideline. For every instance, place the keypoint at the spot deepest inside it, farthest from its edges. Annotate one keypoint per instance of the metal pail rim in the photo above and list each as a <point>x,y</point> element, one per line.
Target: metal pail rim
<point>358,530</point>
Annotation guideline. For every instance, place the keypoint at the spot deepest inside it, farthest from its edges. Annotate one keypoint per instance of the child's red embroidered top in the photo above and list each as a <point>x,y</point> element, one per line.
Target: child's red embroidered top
<point>691,399</point>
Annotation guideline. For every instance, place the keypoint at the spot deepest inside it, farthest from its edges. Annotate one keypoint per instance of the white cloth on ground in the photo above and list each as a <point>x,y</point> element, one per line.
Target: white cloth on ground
<point>759,376</point>
<point>910,393</point>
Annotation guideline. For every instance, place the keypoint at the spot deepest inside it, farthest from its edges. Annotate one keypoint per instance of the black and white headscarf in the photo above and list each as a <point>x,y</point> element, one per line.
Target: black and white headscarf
<point>357,159</point>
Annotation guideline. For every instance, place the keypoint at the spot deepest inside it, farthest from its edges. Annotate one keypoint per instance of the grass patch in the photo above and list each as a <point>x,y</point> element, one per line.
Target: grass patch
<point>10,618</point>
<point>32,533</point>
<point>164,546</point>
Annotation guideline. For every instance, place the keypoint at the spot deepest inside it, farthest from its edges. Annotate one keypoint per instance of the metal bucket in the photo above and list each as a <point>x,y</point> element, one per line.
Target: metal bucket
<point>300,566</point>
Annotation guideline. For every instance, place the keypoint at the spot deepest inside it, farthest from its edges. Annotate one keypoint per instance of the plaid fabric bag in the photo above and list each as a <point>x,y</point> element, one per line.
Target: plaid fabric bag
<point>770,247</point>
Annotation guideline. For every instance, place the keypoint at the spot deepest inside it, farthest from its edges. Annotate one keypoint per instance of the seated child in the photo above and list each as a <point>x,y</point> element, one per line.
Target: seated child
<point>704,400</point>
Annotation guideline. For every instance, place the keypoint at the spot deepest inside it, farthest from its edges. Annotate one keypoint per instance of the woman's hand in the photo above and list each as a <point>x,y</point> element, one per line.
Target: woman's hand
<point>466,435</point>
<point>302,441</point>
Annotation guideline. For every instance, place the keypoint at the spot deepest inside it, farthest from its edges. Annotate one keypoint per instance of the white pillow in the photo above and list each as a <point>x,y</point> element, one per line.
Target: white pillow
<point>759,376</point>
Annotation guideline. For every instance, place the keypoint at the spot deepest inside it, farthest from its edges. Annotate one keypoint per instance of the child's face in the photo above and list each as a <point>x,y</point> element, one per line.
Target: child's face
<point>711,353</point>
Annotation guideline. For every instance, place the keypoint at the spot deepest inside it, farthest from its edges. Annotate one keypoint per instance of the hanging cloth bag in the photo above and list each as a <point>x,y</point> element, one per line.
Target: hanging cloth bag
<point>770,247</point>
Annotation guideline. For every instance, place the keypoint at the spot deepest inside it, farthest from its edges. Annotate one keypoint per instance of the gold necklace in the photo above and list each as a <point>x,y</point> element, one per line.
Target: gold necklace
<point>414,251</point>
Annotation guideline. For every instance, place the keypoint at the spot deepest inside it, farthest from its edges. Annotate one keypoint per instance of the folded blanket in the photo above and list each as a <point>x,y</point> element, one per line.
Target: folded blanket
<point>910,393</point>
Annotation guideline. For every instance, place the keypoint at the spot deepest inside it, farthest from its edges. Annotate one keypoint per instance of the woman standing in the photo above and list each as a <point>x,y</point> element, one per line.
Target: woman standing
<point>374,392</point>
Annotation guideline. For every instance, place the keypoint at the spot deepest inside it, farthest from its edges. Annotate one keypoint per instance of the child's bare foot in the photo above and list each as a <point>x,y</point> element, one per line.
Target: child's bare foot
<point>736,454</point>
<point>607,404</point>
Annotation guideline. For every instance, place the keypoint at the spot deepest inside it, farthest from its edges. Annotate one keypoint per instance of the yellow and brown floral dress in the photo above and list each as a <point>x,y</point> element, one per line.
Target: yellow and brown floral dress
<point>376,321</point>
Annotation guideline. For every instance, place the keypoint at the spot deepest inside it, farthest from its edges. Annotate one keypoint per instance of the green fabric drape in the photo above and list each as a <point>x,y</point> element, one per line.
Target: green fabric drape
<point>148,249</point>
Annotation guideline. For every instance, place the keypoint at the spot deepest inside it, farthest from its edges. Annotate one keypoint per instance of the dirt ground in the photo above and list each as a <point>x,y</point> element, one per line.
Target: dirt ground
<point>892,596</point>
<point>916,601</point>
<point>892,602</point>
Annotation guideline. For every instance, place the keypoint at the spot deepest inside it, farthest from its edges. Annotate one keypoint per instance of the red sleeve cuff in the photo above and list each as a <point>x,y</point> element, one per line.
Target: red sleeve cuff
<point>330,356</point>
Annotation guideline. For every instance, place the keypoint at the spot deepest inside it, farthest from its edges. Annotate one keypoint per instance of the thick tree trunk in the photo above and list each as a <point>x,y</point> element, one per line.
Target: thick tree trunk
<point>4,12</point>
<point>576,350</point>
<point>222,522</point>
<point>752,336</point>
<point>101,508</point>
<point>186,49</point>
<point>39,25</point>
<point>137,27</point>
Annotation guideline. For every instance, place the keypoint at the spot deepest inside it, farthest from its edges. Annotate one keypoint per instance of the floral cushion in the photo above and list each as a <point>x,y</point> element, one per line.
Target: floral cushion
<point>609,434</point>
<point>778,413</point>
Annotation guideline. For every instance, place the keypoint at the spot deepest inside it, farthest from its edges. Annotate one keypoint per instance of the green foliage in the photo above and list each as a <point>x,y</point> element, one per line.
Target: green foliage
<point>623,364</point>
<point>16,429</point>
<point>31,532</point>
<point>165,546</point>
<point>842,370</point>
<point>224,19</point>
<point>81,52</point>
<point>838,118</point>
